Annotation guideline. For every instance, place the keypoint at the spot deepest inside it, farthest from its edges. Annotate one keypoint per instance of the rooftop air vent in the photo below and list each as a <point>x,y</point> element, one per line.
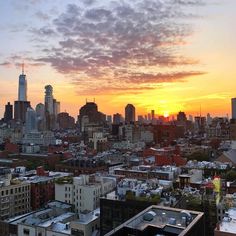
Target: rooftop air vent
<point>149,216</point>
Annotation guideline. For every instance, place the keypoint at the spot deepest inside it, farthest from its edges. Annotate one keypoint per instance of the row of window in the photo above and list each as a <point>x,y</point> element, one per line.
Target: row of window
<point>16,190</point>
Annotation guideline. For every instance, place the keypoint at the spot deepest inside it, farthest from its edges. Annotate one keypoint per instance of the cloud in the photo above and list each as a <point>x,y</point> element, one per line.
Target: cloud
<point>142,78</point>
<point>42,16</point>
<point>114,41</point>
<point>5,64</point>
<point>43,32</point>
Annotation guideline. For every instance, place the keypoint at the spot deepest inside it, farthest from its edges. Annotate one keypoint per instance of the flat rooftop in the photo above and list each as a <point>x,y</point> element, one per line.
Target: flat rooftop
<point>228,223</point>
<point>165,219</point>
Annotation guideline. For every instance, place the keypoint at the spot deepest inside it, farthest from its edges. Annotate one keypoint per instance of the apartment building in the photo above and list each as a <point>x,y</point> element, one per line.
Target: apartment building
<point>14,195</point>
<point>84,191</point>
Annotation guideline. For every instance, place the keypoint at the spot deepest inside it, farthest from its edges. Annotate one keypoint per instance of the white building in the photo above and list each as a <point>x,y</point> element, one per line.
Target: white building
<point>84,191</point>
<point>54,220</point>
<point>88,224</point>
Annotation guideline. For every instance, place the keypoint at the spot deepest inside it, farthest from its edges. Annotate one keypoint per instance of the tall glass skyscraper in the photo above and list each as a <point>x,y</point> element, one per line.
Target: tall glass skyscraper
<point>22,89</point>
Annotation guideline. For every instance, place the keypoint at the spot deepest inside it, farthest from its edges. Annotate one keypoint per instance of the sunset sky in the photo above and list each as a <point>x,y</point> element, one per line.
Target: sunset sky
<point>166,55</point>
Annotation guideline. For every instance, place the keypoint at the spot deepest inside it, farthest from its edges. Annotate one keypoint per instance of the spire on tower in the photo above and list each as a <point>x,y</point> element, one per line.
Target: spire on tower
<point>23,67</point>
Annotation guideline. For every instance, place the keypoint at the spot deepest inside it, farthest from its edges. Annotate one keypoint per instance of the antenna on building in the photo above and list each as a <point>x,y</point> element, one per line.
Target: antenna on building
<point>86,100</point>
<point>94,100</point>
<point>23,67</point>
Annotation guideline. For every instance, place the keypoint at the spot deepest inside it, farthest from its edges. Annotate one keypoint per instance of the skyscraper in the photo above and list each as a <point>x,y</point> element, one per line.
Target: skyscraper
<point>129,113</point>
<point>56,107</point>
<point>117,118</point>
<point>49,99</point>
<point>52,108</point>
<point>30,120</point>
<point>181,117</point>
<point>153,114</point>
<point>8,115</point>
<point>20,108</point>
<point>40,115</point>
<point>40,111</point>
<point>233,105</point>
<point>22,89</point>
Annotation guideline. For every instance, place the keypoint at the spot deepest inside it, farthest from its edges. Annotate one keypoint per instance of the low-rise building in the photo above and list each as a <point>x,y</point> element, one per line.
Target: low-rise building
<point>88,224</point>
<point>53,220</point>
<point>130,197</point>
<point>149,172</point>
<point>14,195</point>
<point>156,220</point>
<point>83,191</point>
<point>227,227</point>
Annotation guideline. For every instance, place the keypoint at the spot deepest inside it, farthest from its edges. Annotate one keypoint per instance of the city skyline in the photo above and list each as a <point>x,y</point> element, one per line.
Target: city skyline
<point>167,65</point>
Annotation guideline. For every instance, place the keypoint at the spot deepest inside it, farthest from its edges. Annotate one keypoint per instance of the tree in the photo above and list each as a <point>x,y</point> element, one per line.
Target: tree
<point>231,175</point>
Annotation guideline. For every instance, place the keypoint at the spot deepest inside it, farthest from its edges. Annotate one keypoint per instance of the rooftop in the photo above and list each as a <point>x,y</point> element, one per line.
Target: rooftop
<point>228,223</point>
<point>87,217</point>
<point>56,211</point>
<point>164,219</point>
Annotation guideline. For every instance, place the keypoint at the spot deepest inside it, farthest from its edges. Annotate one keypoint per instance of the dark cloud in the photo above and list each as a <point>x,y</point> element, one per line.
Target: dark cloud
<point>96,42</point>
<point>43,32</point>
<point>5,63</point>
<point>42,16</point>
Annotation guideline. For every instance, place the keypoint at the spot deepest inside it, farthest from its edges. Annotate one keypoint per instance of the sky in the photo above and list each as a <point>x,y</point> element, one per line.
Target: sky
<point>166,55</point>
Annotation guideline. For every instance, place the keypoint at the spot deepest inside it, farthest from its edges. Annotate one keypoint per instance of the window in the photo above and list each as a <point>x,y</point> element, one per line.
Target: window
<point>26,231</point>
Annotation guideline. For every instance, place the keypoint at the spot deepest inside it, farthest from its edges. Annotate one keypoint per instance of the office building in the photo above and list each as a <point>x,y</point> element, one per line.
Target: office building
<point>156,220</point>
<point>90,116</point>
<point>52,108</point>
<point>20,108</point>
<point>30,121</point>
<point>8,114</point>
<point>131,197</point>
<point>109,119</point>
<point>181,117</point>
<point>56,107</point>
<point>40,116</point>
<point>22,87</point>
<point>153,114</point>
<point>65,121</point>
<point>40,111</point>
<point>117,118</point>
<point>48,99</point>
<point>129,113</point>
<point>233,108</point>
